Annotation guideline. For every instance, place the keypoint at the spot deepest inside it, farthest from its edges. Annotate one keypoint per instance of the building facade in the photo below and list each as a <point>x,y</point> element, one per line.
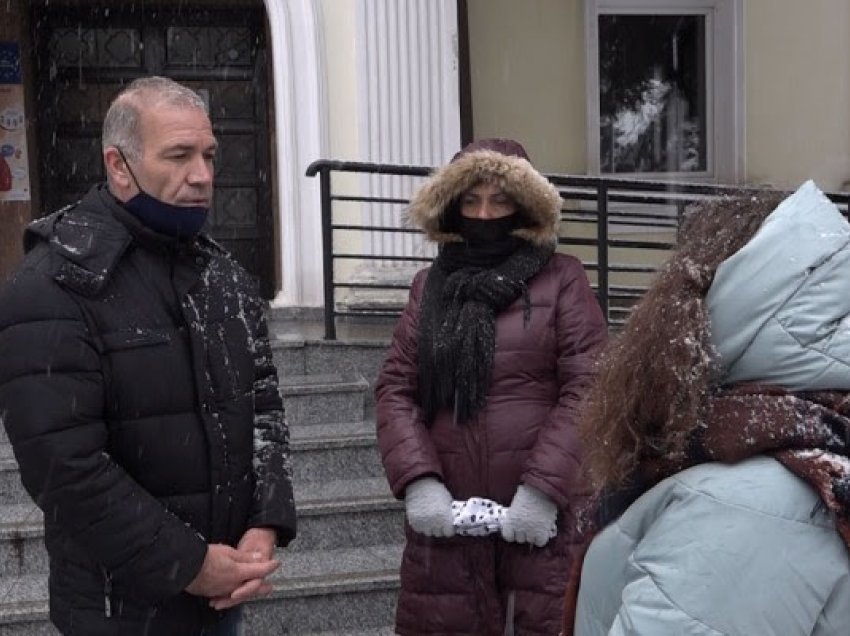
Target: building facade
<point>726,91</point>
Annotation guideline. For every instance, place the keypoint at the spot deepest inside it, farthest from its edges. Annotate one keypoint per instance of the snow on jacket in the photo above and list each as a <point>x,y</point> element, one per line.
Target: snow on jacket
<point>747,548</point>
<point>139,395</point>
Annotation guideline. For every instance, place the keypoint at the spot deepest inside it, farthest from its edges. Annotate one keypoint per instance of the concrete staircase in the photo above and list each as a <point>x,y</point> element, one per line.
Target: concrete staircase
<point>340,576</point>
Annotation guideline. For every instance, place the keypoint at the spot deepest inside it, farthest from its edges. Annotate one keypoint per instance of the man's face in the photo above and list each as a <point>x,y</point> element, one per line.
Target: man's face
<point>178,152</point>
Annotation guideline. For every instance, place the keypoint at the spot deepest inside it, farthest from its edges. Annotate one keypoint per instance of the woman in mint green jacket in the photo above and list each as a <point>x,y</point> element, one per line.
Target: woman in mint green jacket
<point>718,435</point>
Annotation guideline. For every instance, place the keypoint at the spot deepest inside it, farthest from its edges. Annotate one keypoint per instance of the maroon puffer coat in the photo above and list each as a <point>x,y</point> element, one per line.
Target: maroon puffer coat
<point>526,433</point>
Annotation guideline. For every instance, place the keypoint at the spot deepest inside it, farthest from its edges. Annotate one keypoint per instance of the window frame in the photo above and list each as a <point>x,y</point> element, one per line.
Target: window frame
<point>724,77</point>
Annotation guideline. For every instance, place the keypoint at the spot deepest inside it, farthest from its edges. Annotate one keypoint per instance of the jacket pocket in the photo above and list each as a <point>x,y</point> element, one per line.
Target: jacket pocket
<point>145,372</point>
<point>121,340</point>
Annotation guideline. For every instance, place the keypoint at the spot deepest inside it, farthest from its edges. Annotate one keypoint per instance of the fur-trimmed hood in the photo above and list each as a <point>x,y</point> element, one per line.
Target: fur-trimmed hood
<point>514,174</point>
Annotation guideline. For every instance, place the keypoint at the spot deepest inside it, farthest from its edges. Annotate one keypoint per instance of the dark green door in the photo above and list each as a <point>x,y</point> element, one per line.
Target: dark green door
<point>84,56</point>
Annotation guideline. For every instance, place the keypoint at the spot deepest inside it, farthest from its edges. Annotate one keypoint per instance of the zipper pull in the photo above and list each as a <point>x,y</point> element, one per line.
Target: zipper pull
<point>455,408</point>
<point>107,593</point>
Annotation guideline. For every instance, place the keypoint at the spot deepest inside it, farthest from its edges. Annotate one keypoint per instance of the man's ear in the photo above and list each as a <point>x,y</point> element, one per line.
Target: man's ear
<point>116,168</point>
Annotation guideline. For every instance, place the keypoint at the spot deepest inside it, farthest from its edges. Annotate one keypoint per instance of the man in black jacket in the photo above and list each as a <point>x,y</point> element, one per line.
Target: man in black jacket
<point>138,391</point>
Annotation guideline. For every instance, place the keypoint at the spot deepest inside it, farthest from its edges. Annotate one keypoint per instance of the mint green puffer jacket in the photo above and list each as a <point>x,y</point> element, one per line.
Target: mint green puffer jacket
<point>744,549</point>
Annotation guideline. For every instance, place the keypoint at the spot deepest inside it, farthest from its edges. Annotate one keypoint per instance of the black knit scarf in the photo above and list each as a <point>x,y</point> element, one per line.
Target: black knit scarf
<point>467,287</point>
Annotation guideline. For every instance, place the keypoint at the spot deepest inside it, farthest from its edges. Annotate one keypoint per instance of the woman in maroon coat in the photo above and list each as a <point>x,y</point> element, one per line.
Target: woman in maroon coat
<point>478,397</point>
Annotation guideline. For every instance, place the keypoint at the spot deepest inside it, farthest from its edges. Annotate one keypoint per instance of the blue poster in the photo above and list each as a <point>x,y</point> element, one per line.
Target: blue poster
<point>10,63</point>
<point>14,165</point>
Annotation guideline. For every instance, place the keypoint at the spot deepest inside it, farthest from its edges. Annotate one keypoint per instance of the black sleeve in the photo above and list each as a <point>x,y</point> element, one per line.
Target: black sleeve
<point>273,505</point>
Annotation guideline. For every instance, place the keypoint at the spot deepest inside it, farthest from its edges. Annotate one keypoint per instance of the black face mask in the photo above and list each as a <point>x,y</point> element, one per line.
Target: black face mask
<point>484,231</point>
<point>172,220</point>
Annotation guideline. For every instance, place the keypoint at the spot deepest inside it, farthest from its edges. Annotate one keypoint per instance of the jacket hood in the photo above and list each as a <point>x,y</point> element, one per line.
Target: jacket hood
<point>779,308</point>
<point>480,162</point>
<point>87,238</point>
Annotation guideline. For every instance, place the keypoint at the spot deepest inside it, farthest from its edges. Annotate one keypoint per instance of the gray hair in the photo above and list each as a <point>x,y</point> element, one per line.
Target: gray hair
<point>121,124</point>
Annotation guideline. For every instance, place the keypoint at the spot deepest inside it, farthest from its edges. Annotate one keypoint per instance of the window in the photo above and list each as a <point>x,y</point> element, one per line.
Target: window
<point>664,94</point>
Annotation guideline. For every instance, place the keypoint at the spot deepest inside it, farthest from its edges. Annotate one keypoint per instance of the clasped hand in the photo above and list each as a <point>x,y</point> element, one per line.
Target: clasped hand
<point>230,576</point>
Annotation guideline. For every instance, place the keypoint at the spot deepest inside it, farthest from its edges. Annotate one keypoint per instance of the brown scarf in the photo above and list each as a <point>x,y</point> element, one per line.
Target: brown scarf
<point>808,432</point>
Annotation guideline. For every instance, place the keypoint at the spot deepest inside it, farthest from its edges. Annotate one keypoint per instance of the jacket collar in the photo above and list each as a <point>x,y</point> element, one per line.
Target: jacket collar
<point>86,237</point>
<point>92,235</point>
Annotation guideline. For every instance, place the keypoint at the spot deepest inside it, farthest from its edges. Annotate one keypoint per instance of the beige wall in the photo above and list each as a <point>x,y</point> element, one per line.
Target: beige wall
<point>341,62</point>
<point>338,25</point>
<point>798,92</point>
<point>527,76</point>
<point>528,81</point>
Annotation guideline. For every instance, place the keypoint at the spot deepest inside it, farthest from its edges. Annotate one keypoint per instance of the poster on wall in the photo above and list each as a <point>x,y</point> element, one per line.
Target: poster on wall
<point>14,166</point>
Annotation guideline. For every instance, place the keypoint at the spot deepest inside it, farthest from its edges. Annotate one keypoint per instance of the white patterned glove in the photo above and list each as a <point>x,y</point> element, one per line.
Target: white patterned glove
<point>477,517</point>
<point>530,518</point>
<point>429,507</point>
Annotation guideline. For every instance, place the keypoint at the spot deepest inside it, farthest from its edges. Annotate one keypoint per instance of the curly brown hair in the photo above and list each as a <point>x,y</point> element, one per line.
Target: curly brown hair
<point>654,377</point>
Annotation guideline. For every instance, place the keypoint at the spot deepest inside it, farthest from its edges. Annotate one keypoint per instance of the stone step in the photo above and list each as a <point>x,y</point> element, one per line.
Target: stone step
<point>332,453</point>
<point>315,591</point>
<point>376,631</point>
<point>21,540</point>
<point>11,490</point>
<point>330,591</point>
<point>323,398</point>
<point>349,513</point>
<point>23,606</point>
<point>332,515</point>
<point>312,461</point>
<point>295,356</point>
<point>364,428</point>
<point>320,452</point>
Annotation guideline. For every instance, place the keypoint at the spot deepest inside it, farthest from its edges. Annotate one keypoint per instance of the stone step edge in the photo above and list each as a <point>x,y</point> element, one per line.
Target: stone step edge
<point>298,587</point>
<point>323,585</point>
<point>34,611</point>
<point>365,504</point>
<point>315,384</point>
<point>309,508</point>
<point>386,630</point>
<point>284,341</point>
<point>331,431</point>
<point>303,440</point>
<point>23,612</point>
<point>33,529</point>
<point>306,443</point>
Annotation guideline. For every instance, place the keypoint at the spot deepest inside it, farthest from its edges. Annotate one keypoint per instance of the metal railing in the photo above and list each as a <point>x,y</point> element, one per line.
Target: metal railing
<point>621,229</point>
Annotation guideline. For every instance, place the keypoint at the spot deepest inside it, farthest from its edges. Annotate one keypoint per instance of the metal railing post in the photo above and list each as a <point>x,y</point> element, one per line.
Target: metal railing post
<point>327,252</point>
<point>602,248</point>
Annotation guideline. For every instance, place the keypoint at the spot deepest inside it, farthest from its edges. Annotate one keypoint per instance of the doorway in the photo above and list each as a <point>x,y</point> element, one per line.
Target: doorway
<point>85,55</point>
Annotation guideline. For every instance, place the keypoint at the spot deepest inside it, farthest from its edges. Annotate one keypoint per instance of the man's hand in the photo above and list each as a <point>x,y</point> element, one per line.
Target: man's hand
<point>226,570</point>
<point>258,544</point>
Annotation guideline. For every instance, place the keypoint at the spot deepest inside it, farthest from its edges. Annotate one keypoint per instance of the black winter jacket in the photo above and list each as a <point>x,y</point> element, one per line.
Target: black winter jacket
<point>138,392</point>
